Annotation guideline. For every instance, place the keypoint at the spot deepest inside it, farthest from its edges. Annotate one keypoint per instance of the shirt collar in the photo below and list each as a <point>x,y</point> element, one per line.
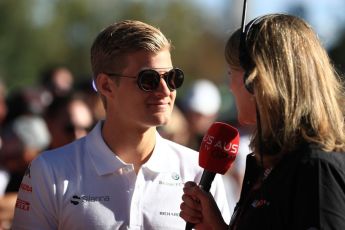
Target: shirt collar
<point>106,161</point>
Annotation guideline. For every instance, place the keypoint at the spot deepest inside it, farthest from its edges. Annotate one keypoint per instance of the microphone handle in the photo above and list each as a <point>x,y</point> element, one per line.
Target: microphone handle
<point>205,183</point>
<point>189,226</point>
<point>206,180</point>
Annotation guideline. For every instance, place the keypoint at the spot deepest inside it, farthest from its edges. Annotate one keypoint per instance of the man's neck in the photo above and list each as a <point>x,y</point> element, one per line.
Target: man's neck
<point>131,145</point>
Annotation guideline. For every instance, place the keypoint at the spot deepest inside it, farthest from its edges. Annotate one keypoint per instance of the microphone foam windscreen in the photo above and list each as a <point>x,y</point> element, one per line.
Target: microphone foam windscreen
<point>219,147</point>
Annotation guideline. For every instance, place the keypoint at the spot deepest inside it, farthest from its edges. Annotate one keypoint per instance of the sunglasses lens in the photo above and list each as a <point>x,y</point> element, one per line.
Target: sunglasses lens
<point>175,78</point>
<point>148,80</point>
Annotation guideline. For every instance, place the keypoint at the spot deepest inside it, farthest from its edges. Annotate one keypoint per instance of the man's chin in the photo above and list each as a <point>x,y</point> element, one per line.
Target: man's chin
<point>160,120</point>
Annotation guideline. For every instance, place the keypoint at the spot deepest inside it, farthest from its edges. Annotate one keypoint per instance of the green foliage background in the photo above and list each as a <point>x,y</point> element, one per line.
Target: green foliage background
<point>35,34</point>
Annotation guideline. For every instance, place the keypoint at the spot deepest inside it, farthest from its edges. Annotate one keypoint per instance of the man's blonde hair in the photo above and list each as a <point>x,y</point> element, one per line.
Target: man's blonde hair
<point>112,44</point>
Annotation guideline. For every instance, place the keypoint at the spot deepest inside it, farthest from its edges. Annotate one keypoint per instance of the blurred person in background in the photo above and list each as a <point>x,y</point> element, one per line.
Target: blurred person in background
<point>3,112</point>
<point>58,80</point>
<point>23,139</point>
<point>3,104</point>
<point>285,85</point>
<point>123,174</point>
<point>68,118</point>
<point>201,105</point>
<point>86,91</point>
<point>29,100</point>
<point>233,178</point>
<point>6,201</point>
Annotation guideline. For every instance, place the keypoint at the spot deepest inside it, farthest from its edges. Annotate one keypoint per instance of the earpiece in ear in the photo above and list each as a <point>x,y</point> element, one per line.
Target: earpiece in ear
<point>249,86</point>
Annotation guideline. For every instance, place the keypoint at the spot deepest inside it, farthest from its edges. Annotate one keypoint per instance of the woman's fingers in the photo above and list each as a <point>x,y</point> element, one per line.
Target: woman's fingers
<point>190,214</point>
<point>199,207</point>
<point>191,202</point>
<point>189,184</point>
<point>194,191</point>
<point>190,207</point>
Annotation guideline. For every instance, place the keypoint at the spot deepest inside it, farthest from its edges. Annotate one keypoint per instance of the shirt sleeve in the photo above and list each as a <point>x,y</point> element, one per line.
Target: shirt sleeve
<point>35,206</point>
<point>320,196</point>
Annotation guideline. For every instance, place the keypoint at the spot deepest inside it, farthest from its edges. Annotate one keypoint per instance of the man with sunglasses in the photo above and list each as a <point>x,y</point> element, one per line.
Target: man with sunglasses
<point>123,174</point>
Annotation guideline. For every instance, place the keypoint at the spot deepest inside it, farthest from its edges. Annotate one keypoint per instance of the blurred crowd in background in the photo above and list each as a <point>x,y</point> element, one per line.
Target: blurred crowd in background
<point>41,110</point>
<point>35,118</point>
<point>59,109</point>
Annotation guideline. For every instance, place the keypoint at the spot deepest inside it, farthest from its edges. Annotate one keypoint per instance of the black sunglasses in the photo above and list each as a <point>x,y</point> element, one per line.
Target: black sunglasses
<point>148,79</point>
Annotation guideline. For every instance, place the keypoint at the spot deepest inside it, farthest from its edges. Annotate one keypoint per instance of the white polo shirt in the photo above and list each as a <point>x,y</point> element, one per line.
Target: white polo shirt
<point>84,185</point>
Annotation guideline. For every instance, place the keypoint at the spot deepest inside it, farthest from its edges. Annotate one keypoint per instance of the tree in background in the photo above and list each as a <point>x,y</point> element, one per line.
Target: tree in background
<point>38,33</point>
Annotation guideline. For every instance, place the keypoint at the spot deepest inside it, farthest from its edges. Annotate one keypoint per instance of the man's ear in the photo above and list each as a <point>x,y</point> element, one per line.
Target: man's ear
<point>103,84</point>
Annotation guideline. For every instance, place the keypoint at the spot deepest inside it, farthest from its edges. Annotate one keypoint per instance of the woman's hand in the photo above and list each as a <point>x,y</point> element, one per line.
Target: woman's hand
<point>199,207</point>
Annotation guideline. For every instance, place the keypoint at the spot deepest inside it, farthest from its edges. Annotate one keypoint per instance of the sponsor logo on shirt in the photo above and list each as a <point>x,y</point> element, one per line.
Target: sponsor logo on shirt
<point>175,176</point>
<point>174,182</point>
<point>22,204</point>
<point>169,214</point>
<point>87,198</point>
<point>171,183</point>
<point>25,187</point>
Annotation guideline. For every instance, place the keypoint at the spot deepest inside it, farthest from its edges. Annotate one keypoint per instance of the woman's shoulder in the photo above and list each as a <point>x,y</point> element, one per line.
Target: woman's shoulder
<point>321,158</point>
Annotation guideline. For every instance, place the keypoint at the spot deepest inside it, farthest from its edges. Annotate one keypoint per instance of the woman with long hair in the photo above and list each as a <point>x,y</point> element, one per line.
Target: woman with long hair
<point>285,85</point>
